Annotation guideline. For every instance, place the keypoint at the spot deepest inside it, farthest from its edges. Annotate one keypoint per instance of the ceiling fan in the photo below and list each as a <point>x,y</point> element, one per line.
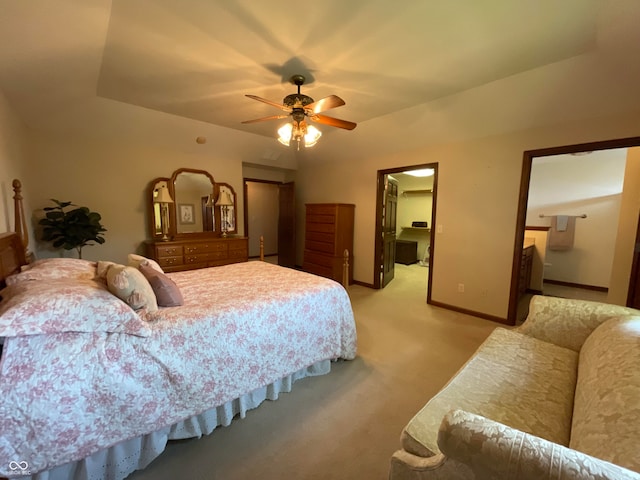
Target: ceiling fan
<point>300,107</point>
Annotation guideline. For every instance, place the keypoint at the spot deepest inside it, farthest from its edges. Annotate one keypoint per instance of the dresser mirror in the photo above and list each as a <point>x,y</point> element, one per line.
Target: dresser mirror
<point>193,201</point>
<point>191,204</point>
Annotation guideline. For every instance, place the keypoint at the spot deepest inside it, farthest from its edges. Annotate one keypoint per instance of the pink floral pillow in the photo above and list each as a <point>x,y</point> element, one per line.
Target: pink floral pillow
<point>56,306</point>
<point>167,292</point>
<point>55,269</point>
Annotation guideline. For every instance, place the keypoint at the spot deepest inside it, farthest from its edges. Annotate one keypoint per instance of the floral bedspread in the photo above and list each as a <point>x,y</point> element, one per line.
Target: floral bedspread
<point>65,396</point>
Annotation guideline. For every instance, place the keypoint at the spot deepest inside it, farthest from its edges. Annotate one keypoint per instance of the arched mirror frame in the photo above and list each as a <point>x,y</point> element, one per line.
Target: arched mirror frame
<point>172,231</point>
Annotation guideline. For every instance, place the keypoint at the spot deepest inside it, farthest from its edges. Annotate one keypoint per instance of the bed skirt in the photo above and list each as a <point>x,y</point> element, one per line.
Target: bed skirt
<point>119,461</point>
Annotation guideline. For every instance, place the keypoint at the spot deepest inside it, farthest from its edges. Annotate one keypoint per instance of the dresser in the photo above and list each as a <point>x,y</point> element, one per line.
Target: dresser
<point>174,256</point>
<point>328,233</point>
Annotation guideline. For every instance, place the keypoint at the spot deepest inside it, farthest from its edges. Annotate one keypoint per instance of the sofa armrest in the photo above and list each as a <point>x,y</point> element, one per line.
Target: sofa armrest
<point>495,451</point>
<point>567,322</point>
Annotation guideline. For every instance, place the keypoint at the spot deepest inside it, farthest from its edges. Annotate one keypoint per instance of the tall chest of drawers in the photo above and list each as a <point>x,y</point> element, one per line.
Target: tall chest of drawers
<point>328,233</point>
<point>174,256</point>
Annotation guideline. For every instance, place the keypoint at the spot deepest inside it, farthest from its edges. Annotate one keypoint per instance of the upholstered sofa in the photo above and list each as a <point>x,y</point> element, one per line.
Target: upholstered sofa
<point>556,398</point>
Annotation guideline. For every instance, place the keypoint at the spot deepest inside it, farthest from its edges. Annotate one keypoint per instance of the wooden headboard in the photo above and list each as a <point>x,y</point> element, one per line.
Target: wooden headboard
<point>13,251</point>
<point>11,255</point>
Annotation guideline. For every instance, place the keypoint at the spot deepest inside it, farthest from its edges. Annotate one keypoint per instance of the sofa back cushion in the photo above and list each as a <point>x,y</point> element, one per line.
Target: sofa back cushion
<point>606,412</point>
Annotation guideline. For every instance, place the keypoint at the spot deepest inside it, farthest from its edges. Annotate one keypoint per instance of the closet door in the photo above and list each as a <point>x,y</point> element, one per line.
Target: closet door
<point>286,225</point>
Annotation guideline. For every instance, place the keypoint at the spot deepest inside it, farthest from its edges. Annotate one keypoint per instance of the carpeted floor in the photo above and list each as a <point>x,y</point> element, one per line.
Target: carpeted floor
<point>344,425</point>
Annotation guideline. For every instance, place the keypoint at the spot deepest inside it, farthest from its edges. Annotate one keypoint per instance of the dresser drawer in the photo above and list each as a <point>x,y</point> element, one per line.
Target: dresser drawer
<point>166,262</point>
<point>319,247</point>
<point>168,250</point>
<point>320,227</point>
<point>320,209</point>
<point>318,270</point>
<point>238,253</point>
<point>321,219</point>
<point>204,257</point>
<point>189,254</point>
<point>196,248</point>
<point>319,236</point>
<point>318,259</point>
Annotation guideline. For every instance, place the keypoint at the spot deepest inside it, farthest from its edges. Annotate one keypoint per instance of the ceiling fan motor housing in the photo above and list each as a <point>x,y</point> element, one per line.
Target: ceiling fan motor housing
<point>297,100</point>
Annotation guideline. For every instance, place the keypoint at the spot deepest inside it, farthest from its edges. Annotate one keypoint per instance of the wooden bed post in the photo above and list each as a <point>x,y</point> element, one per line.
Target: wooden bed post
<point>19,218</point>
<point>261,248</point>
<point>345,270</point>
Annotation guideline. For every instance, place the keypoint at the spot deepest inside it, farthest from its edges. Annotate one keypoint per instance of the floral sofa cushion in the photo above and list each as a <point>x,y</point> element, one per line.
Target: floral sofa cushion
<point>606,412</point>
<point>567,322</point>
<point>500,412</point>
<point>514,379</point>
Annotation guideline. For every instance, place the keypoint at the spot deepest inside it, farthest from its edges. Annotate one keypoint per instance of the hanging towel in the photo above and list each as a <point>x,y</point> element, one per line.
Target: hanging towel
<point>562,239</point>
<point>561,222</point>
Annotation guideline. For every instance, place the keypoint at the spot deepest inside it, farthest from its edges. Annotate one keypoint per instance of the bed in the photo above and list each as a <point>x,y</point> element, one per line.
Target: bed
<point>90,388</point>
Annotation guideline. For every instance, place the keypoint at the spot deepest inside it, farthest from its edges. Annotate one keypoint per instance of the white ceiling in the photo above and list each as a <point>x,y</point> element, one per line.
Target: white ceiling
<point>427,68</point>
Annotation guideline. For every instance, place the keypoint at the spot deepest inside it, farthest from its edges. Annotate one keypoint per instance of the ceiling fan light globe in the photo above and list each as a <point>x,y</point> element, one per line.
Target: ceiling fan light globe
<point>284,134</point>
<point>312,136</point>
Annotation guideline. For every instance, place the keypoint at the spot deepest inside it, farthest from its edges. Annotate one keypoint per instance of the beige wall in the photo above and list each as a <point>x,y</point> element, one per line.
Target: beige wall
<point>12,161</point>
<point>627,228</point>
<point>111,178</point>
<point>478,189</point>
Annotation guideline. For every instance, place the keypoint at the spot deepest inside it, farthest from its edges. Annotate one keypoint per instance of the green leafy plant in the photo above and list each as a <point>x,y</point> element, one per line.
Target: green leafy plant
<point>75,228</point>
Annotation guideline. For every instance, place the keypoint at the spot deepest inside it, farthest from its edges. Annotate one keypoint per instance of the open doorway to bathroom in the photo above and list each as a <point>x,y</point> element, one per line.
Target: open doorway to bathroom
<point>592,186</point>
<point>405,212</point>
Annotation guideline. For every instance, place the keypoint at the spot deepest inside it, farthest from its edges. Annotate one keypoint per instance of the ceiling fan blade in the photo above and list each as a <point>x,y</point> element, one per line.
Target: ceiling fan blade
<point>272,117</point>
<point>334,122</point>
<point>326,103</point>
<point>269,102</point>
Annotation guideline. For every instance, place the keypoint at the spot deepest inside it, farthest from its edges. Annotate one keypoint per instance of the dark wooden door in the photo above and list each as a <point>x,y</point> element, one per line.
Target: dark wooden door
<point>286,225</point>
<point>207,215</point>
<point>389,229</point>
<point>633,297</point>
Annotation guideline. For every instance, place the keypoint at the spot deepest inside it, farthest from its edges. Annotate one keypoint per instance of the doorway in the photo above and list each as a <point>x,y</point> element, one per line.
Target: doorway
<point>529,158</point>
<point>405,212</point>
<point>270,214</point>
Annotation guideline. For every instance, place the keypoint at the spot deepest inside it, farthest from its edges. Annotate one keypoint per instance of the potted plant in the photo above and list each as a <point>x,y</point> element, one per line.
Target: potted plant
<point>75,228</point>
